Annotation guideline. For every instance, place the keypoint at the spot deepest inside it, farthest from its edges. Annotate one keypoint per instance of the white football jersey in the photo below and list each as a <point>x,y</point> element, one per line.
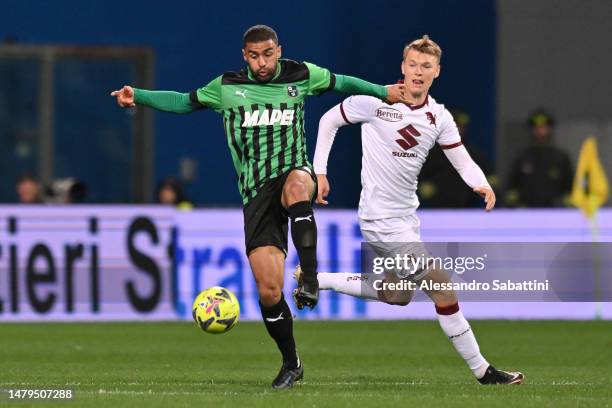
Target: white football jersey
<point>396,140</point>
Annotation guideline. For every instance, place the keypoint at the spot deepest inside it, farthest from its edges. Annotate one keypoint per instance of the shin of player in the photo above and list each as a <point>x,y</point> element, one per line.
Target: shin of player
<point>267,263</point>
<point>454,324</point>
<point>298,194</point>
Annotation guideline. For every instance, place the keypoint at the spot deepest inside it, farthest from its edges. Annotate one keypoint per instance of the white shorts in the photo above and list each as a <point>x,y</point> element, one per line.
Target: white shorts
<point>391,236</point>
<point>399,229</point>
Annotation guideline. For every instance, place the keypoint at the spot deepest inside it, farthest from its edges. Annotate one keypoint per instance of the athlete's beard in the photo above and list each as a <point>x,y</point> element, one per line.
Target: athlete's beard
<point>266,79</point>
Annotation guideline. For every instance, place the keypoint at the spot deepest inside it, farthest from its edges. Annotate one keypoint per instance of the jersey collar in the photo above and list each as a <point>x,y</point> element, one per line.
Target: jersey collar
<point>276,73</point>
<point>415,107</point>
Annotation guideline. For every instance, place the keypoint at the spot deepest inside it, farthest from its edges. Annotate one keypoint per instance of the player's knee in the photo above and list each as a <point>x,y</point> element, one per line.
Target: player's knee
<point>296,190</point>
<point>398,302</point>
<point>396,298</point>
<point>443,298</point>
<point>269,295</point>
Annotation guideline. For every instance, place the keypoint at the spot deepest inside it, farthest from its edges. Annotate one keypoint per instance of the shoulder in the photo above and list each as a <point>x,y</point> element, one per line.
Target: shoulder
<point>293,71</point>
<point>525,154</point>
<point>362,108</point>
<point>289,65</point>
<point>439,112</point>
<point>364,100</point>
<point>235,77</point>
<point>560,153</point>
<point>437,108</point>
<point>364,103</point>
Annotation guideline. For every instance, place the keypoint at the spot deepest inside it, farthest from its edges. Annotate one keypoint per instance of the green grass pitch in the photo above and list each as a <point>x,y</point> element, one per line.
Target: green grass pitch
<point>399,363</point>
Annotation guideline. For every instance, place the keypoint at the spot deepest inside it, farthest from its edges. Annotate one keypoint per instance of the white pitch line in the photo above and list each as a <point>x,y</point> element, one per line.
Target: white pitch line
<point>149,392</point>
<point>178,384</point>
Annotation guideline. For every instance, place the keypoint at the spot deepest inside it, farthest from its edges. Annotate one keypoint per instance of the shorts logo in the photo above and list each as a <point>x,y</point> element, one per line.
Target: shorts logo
<point>292,91</point>
<point>389,114</point>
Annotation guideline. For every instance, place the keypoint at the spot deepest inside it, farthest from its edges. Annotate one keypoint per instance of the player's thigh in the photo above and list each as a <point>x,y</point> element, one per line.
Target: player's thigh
<point>299,186</point>
<point>265,220</point>
<point>268,266</point>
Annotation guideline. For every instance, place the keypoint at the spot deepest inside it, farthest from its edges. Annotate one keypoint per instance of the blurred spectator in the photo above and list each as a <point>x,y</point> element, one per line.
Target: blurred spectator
<point>440,186</point>
<point>28,190</point>
<point>170,192</point>
<point>66,191</point>
<point>541,175</point>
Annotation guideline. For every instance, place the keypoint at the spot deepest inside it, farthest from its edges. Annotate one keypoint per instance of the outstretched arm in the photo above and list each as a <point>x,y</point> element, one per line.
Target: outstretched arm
<point>322,80</point>
<point>328,127</point>
<point>167,101</point>
<point>471,174</point>
<point>356,86</point>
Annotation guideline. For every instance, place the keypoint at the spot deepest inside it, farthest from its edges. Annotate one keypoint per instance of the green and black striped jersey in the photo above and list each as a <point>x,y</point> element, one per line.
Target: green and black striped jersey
<point>264,122</point>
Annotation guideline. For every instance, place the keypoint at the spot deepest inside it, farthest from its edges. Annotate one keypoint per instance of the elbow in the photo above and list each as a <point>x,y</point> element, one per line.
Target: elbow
<point>326,119</point>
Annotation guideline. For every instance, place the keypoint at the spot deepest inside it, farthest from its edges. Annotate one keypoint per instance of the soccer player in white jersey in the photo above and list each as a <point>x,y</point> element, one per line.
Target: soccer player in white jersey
<point>396,140</point>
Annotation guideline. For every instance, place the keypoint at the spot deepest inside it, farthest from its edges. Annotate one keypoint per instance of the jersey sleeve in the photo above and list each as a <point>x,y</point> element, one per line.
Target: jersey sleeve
<point>449,136</point>
<point>319,79</point>
<point>208,96</point>
<point>359,108</point>
<point>469,171</point>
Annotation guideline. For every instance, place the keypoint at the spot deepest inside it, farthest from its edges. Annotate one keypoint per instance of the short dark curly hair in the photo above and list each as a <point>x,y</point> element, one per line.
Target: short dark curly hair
<point>259,33</point>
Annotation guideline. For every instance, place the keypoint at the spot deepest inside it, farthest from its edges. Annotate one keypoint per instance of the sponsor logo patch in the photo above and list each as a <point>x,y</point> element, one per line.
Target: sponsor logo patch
<point>431,118</point>
<point>389,114</point>
<point>292,91</point>
<point>404,154</point>
<point>268,117</point>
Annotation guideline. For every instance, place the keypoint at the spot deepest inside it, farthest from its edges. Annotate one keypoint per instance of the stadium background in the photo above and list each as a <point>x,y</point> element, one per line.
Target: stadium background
<point>122,271</point>
<point>198,41</point>
<point>501,60</point>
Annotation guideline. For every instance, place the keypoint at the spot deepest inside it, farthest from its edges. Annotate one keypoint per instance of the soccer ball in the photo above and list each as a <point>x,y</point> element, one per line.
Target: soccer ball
<point>216,310</point>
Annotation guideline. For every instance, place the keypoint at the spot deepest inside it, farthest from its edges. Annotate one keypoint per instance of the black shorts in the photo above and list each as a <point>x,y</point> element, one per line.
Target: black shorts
<point>265,219</point>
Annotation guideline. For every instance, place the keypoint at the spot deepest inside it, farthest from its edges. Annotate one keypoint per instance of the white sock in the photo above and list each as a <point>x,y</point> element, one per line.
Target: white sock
<point>460,334</point>
<point>354,284</point>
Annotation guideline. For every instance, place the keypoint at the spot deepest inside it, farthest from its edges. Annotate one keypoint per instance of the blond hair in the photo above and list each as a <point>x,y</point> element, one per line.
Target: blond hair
<point>424,45</point>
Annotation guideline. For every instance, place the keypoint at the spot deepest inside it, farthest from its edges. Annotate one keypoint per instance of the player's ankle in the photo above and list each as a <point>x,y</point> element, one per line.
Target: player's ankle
<point>292,363</point>
<point>481,370</point>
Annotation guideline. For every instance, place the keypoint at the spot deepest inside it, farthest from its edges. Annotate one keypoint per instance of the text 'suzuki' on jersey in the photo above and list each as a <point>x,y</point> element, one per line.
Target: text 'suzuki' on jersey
<point>268,117</point>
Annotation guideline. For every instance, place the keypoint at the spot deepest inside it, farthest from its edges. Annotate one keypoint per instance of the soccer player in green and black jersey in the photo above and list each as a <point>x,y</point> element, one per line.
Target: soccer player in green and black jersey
<point>263,116</point>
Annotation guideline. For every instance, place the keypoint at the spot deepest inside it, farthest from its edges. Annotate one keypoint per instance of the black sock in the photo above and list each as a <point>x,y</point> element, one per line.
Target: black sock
<point>279,322</point>
<point>304,235</point>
